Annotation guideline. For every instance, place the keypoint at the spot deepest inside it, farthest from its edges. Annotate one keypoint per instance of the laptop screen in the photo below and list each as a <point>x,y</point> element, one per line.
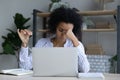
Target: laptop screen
<point>57,61</point>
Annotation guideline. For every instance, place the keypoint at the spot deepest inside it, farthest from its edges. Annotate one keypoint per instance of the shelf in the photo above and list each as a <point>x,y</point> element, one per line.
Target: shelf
<point>43,30</point>
<point>87,30</point>
<point>85,13</point>
<point>99,30</point>
<point>100,12</point>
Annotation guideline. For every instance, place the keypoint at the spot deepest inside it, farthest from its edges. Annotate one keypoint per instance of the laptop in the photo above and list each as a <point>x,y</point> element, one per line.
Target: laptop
<point>57,62</point>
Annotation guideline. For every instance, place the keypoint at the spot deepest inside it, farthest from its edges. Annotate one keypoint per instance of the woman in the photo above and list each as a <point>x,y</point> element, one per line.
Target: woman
<point>65,24</point>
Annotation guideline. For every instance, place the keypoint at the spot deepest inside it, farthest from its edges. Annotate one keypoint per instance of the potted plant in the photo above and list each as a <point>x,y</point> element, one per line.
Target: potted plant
<point>56,4</point>
<point>113,61</point>
<point>12,42</point>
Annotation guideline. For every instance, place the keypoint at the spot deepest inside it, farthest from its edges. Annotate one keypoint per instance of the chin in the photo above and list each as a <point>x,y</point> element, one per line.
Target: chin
<point>63,39</point>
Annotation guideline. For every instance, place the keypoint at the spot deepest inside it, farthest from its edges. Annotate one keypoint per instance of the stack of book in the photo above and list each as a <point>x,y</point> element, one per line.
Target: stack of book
<point>94,49</point>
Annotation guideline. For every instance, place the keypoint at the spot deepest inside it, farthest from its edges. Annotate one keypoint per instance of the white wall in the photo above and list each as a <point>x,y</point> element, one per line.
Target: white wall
<point>8,10</point>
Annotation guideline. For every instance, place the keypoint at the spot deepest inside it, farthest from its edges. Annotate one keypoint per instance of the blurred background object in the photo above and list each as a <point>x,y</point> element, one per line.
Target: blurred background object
<point>102,3</point>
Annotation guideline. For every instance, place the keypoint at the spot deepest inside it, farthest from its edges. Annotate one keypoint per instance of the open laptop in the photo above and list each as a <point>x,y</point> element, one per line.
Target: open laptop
<point>55,61</point>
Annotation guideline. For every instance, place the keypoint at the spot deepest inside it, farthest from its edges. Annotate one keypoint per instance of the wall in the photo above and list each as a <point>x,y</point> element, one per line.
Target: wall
<point>8,10</point>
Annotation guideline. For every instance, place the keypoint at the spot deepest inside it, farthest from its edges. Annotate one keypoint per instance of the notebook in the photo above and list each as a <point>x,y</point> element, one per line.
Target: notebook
<point>57,61</point>
<point>16,72</point>
<point>91,76</point>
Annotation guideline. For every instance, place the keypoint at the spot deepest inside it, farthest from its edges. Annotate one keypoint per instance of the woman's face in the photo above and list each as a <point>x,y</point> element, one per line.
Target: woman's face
<point>62,29</point>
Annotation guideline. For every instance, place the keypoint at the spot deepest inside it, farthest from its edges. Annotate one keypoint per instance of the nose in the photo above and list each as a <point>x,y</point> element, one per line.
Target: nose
<point>63,33</point>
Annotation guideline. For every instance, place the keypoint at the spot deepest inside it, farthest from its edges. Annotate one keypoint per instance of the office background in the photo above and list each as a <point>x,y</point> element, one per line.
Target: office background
<point>8,8</point>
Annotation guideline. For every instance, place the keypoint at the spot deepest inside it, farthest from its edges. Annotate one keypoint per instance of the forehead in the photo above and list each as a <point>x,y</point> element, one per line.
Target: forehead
<point>64,25</point>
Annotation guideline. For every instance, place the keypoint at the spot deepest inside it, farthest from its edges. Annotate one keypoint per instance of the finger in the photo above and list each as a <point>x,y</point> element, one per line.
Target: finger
<point>23,32</point>
<point>28,32</point>
<point>18,31</point>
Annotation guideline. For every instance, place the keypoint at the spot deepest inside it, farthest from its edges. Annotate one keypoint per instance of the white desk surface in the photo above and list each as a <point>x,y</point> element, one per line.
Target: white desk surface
<point>29,77</point>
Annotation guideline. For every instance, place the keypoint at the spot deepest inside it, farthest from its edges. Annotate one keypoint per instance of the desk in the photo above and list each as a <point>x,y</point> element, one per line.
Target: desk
<point>29,77</point>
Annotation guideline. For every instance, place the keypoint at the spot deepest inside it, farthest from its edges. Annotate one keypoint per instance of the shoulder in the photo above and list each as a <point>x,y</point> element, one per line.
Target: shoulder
<point>42,41</point>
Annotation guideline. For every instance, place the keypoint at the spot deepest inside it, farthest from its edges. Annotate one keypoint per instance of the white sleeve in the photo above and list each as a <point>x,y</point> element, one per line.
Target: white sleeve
<point>83,64</point>
<point>25,58</point>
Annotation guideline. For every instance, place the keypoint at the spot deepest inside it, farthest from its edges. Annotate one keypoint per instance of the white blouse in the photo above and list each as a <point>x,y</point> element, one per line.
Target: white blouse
<point>25,56</point>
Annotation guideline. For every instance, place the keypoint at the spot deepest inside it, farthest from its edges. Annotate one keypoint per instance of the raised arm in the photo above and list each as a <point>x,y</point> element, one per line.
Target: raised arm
<point>25,58</point>
<point>24,36</point>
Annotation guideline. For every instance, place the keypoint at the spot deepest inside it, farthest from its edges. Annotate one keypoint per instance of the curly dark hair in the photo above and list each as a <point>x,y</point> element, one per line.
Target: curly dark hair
<point>66,15</point>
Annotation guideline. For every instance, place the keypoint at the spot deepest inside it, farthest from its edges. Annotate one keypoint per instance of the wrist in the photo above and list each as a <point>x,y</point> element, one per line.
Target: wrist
<point>75,41</point>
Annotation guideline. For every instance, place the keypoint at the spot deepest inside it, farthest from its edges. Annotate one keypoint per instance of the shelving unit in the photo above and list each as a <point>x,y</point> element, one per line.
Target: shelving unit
<point>85,13</point>
<point>44,16</point>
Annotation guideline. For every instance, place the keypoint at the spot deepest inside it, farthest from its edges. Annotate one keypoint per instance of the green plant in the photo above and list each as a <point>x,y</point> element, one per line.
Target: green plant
<point>113,61</point>
<point>12,42</point>
<point>114,58</point>
<point>57,4</point>
<point>55,1</point>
